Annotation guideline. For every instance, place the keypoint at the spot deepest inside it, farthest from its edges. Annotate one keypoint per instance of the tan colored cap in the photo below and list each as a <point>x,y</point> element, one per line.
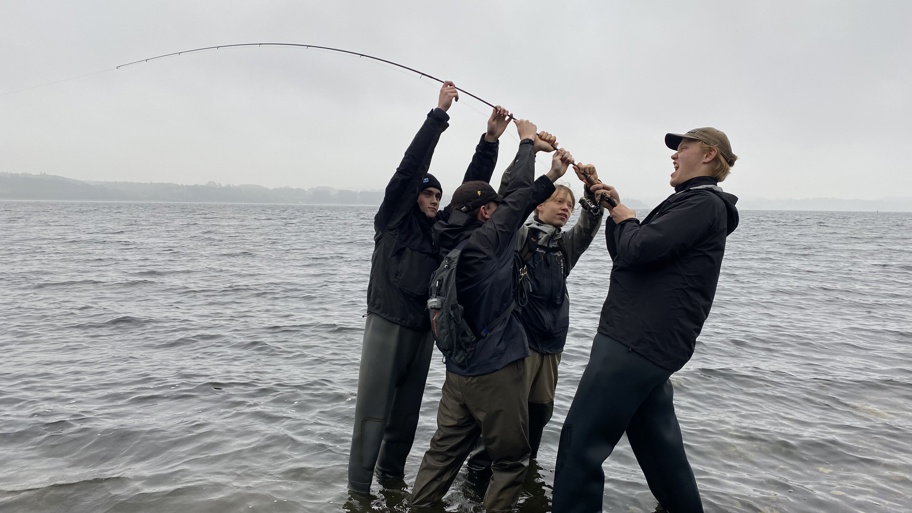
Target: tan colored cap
<point>710,136</point>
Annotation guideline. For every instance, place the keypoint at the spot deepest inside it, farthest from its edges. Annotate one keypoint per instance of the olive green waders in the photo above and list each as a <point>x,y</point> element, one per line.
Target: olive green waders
<point>494,406</point>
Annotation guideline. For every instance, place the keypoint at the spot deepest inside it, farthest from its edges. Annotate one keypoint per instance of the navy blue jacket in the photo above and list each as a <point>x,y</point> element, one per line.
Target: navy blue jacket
<point>486,275</point>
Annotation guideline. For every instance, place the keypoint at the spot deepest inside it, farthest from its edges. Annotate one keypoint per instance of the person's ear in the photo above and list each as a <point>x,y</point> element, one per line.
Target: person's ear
<point>710,155</point>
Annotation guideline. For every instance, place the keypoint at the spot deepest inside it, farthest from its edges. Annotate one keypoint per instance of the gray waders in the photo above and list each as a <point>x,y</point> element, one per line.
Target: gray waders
<point>394,369</point>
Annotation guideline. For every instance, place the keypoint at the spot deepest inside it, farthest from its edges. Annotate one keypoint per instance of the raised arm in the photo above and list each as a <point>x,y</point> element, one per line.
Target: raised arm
<point>401,191</point>
<point>582,234</point>
<point>543,141</point>
<point>485,158</point>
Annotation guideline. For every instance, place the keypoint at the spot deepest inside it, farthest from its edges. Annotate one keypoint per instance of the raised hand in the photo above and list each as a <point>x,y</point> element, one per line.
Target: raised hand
<point>603,191</point>
<point>586,173</point>
<point>448,94</point>
<point>545,142</point>
<point>525,128</point>
<point>497,123</point>
<point>560,162</point>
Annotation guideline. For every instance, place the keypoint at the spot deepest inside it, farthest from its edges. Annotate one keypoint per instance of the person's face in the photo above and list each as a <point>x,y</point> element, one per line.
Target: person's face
<point>556,210</point>
<point>688,161</point>
<point>429,201</point>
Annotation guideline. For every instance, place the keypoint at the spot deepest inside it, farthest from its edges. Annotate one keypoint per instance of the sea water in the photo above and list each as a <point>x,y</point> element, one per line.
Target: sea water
<point>204,358</point>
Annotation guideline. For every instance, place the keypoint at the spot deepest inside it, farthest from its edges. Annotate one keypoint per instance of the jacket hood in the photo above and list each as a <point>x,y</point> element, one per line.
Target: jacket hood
<point>730,201</point>
<point>711,184</point>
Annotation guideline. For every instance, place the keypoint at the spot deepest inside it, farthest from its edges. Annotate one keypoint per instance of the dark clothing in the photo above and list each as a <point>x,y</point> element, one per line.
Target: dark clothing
<point>665,270</point>
<point>486,274</point>
<point>397,346</point>
<point>546,315</point>
<point>404,253</point>
<point>663,280</point>
<point>486,398</point>
<point>622,391</point>
<point>390,389</point>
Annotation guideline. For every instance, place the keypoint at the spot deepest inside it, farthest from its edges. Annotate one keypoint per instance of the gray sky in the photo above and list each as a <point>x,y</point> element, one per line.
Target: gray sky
<point>815,95</point>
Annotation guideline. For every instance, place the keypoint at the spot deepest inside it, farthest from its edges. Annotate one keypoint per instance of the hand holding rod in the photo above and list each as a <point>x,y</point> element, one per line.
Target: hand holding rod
<point>606,201</point>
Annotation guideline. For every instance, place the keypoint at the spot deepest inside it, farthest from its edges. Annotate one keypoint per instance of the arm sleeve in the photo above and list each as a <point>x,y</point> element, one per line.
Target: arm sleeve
<point>496,236</point>
<point>400,194</point>
<point>582,234</point>
<point>483,161</point>
<point>668,234</point>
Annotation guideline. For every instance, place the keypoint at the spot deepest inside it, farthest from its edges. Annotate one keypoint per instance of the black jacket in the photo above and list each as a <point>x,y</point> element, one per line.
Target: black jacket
<point>546,314</point>
<point>665,270</point>
<point>405,255</point>
<point>486,275</point>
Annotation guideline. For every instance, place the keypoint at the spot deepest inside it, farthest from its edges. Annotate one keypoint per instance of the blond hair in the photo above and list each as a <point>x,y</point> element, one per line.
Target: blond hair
<point>720,167</point>
<point>559,190</point>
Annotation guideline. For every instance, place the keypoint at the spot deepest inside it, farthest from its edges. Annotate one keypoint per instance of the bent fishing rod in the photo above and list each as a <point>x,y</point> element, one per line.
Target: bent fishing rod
<point>299,45</point>
<point>607,202</point>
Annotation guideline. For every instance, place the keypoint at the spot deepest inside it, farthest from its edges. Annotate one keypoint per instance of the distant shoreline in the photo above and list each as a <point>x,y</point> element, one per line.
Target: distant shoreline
<point>45,187</point>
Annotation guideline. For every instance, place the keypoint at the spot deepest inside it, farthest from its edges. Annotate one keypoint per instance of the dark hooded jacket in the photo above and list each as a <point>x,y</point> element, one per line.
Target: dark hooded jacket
<point>405,255</point>
<point>665,270</point>
<point>549,254</point>
<point>486,275</point>
<point>546,314</point>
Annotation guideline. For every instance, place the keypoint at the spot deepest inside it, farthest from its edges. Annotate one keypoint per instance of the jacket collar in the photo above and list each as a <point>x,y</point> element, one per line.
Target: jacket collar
<point>547,231</point>
<point>696,181</point>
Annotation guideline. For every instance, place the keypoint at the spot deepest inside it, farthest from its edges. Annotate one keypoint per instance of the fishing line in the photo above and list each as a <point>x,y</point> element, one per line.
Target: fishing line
<point>5,93</point>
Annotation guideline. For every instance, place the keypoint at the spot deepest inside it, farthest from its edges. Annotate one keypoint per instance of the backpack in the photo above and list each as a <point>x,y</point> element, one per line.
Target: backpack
<point>452,334</point>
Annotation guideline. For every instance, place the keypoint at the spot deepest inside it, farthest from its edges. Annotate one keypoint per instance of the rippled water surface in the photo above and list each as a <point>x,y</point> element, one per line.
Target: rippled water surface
<point>186,357</point>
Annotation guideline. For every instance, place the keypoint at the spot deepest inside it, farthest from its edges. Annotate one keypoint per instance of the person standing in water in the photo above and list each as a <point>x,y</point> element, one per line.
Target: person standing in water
<point>663,278</point>
<point>398,344</point>
<point>548,254</point>
<point>487,395</point>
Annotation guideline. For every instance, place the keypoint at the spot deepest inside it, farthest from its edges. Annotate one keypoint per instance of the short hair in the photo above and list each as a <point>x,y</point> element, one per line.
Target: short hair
<point>720,168</point>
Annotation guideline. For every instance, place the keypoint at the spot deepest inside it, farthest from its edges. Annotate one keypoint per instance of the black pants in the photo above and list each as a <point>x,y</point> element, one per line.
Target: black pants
<point>394,368</point>
<point>620,391</point>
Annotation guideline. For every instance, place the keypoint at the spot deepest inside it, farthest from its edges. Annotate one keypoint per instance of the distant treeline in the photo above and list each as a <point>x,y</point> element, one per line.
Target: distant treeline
<point>50,187</point>
<point>21,186</point>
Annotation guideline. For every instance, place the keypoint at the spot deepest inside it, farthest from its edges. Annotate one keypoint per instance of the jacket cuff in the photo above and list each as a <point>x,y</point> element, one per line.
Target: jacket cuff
<point>495,144</point>
<point>439,114</point>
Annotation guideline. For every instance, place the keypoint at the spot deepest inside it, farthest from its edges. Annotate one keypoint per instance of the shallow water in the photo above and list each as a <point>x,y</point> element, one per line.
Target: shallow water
<point>191,357</point>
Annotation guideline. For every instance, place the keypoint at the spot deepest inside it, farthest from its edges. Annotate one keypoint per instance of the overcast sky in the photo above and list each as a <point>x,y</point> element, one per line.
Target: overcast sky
<point>815,95</point>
